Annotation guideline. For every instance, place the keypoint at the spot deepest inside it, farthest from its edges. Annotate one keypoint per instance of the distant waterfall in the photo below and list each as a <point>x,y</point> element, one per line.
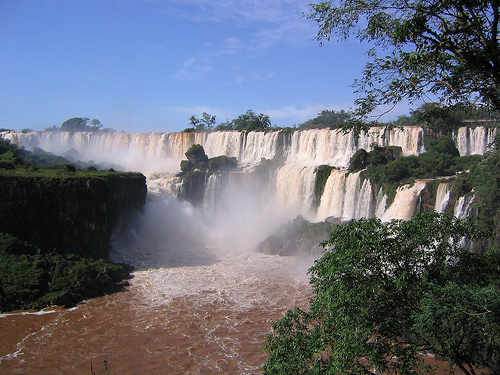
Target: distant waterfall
<point>335,148</point>
<point>473,141</point>
<point>247,148</point>
<point>463,206</point>
<point>296,156</point>
<point>307,147</point>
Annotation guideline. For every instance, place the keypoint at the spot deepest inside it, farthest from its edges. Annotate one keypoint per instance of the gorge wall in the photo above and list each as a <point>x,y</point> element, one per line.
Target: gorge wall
<point>276,169</point>
<point>69,213</point>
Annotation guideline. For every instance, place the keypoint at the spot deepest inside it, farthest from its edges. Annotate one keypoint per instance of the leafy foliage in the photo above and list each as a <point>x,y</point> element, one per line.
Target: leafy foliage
<point>80,124</point>
<point>327,119</point>
<point>250,121</point>
<point>449,49</point>
<point>377,156</point>
<point>322,174</point>
<point>485,177</point>
<point>196,154</point>
<point>206,123</point>
<point>441,159</point>
<point>385,292</point>
<point>437,117</point>
<point>31,279</point>
<point>50,211</point>
<point>12,157</point>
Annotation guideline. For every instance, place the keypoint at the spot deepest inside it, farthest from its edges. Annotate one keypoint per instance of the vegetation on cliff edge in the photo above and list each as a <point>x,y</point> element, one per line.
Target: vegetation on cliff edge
<point>196,169</point>
<point>54,231</point>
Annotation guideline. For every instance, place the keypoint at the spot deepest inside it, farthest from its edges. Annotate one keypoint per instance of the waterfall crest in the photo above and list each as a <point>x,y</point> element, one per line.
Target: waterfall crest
<point>296,156</point>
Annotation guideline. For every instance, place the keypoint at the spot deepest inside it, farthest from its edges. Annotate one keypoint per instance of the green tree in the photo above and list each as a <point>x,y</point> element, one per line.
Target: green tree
<point>96,124</point>
<point>449,49</point>
<point>206,123</point>
<point>75,124</point>
<point>386,292</point>
<point>250,121</point>
<point>80,124</point>
<point>327,119</point>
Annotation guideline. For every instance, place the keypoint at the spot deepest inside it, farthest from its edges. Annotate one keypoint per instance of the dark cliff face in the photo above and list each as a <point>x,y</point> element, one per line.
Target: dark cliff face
<point>69,214</point>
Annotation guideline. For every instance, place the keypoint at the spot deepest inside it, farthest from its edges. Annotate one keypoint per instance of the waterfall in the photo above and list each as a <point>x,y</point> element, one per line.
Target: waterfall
<point>351,193</point>
<point>335,148</point>
<point>332,199</point>
<point>381,204</point>
<point>442,197</point>
<point>296,157</point>
<point>410,140</point>
<point>405,202</point>
<point>210,194</point>
<point>365,205</point>
<point>295,188</point>
<point>463,207</point>
<point>346,197</point>
<point>472,141</point>
<point>307,147</point>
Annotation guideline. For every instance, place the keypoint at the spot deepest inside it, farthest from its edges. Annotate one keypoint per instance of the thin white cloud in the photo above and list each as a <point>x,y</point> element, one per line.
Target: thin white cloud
<point>201,64</point>
<point>271,22</point>
<point>264,24</point>
<point>241,12</point>
<point>247,77</point>
<point>193,68</point>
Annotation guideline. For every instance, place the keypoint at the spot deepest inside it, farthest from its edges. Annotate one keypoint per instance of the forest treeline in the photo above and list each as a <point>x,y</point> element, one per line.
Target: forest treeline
<point>432,116</point>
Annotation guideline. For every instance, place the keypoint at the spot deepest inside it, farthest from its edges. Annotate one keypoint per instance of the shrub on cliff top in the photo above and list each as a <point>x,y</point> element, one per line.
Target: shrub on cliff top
<point>196,154</point>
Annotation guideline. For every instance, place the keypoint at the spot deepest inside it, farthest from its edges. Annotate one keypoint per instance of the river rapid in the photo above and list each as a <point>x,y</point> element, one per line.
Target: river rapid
<point>192,307</point>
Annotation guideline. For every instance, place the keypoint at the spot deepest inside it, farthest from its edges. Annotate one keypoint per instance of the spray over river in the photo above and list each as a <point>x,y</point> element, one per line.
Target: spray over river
<point>201,300</point>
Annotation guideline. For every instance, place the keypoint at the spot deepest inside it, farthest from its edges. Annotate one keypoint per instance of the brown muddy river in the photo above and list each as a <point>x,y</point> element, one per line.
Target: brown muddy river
<point>206,319</point>
<point>190,308</point>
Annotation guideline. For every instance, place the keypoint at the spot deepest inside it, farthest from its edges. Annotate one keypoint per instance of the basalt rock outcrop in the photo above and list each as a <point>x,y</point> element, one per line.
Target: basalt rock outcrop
<point>72,213</point>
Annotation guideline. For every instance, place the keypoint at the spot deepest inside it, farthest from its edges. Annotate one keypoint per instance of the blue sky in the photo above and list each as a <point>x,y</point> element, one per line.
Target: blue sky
<point>148,65</point>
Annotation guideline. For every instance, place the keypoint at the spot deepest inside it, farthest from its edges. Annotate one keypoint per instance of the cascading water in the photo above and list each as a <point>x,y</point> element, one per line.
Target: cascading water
<point>365,207</point>
<point>295,188</point>
<point>442,197</point>
<point>346,197</point>
<point>300,153</point>
<point>474,141</point>
<point>201,300</point>
<point>332,200</point>
<point>405,202</point>
<point>463,206</point>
